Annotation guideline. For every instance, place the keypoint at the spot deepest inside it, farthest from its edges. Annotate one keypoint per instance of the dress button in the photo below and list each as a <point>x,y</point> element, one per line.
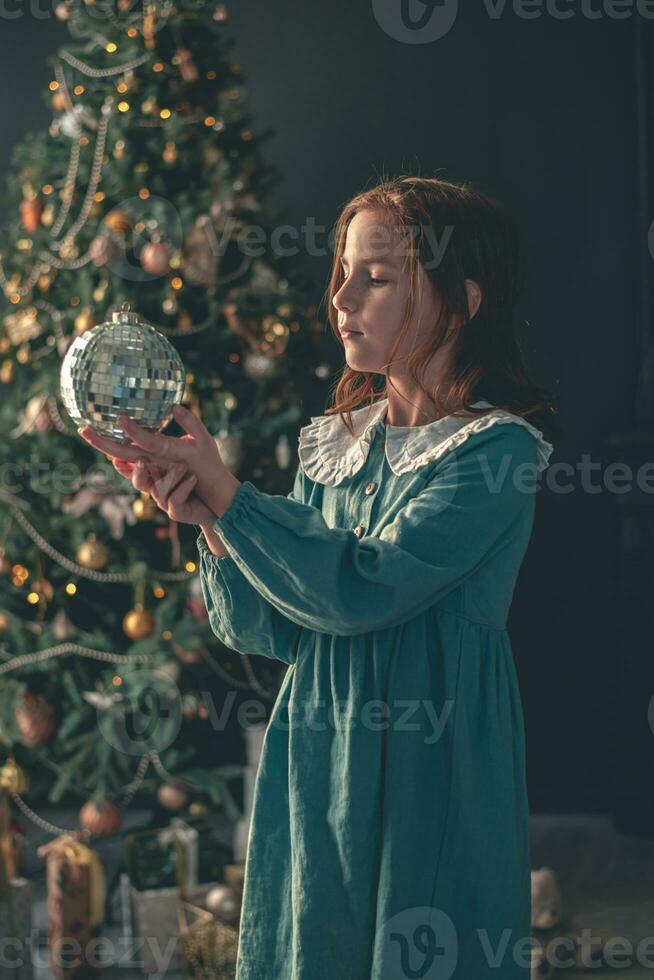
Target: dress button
<point>359,529</point>
<point>370,488</point>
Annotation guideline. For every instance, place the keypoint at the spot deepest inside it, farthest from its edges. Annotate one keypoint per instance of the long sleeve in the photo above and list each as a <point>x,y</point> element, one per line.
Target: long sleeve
<point>239,615</point>
<point>329,580</point>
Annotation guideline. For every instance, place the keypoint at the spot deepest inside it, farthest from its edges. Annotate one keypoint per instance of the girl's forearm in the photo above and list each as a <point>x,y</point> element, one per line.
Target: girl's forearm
<point>214,541</point>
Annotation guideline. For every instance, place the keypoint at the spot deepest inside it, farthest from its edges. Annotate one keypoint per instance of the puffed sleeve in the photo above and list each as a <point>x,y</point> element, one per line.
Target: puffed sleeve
<point>239,615</point>
<point>329,580</point>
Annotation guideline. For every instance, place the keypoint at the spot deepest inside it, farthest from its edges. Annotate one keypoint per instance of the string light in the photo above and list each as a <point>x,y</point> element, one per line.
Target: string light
<point>71,588</point>
<point>123,107</point>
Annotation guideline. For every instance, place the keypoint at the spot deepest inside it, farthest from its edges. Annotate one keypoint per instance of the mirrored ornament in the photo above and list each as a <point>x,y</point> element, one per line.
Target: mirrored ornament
<point>123,366</point>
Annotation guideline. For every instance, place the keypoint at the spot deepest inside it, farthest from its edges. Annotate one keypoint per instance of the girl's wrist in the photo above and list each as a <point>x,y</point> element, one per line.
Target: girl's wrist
<point>219,497</point>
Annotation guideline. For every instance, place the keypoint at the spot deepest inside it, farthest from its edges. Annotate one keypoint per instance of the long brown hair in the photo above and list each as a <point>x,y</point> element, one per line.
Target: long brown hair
<point>486,360</point>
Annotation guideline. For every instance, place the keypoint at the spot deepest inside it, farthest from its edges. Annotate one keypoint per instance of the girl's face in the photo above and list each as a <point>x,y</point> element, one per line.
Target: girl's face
<point>373,295</point>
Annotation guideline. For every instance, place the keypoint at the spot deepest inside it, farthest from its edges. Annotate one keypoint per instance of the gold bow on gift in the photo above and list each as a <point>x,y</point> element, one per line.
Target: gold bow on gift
<point>80,856</point>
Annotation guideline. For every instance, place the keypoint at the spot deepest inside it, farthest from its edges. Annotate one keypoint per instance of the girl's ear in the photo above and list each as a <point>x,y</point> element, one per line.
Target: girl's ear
<point>475,294</point>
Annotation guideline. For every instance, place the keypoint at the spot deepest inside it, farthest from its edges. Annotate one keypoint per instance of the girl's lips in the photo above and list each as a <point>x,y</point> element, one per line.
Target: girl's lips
<point>351,333</point>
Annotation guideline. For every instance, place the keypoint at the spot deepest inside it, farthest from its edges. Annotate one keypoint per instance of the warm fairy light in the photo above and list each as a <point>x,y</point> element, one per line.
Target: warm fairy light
<point>177,282</point>
<point>71,588</point>
<point>83,141</point>
<point>159,592</point>
<point>74,300</point>
<point>79,90</point>
<point>158,66</point>
<point>33,598</point>
<point>189,378</point>
<point>209,120</point>
<point>230,403</point>
<point>144,193</point>
<point>121,88</point>
<point>47,189</point>
<point>246,135</point>
<point>123,107</point>
<point>132,32</point>
<point>53,86</point>
<point>14,298</point>
<point>165,114</point>
<point>99,196</point>
<point>19,571</point>
<point>212,74</point>
<point>116,680</point>
<point>167,635</point>
<point>190,566</point>
<point>234,358</point>
<point>111,47</point>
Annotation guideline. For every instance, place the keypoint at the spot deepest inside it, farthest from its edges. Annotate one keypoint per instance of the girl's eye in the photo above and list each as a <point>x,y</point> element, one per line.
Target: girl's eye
<point>378,282</point>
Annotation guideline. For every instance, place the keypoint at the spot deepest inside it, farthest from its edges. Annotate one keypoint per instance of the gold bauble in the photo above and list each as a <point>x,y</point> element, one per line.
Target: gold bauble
<point>144,507</point>
<point>92,553</point>
<point>138,623</point>
<point>47,215</point>
<point>13,778</point>
<point>45,281</point>
<point>198,809</point>
<point>84,321</point>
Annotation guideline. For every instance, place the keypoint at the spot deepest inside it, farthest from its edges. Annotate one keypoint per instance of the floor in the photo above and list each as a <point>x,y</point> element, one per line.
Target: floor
<point>607,880</point>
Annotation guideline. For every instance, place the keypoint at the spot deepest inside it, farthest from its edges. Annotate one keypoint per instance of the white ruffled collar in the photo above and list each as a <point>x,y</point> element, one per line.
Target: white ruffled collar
<point>329,454</point>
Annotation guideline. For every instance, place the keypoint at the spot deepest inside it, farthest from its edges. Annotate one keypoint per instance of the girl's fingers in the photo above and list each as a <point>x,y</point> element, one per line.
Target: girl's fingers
<point>165,484</point>
<point>180,495</point>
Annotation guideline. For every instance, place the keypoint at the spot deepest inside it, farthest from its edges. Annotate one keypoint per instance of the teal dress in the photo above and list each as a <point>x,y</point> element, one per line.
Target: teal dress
<point>389,830</point>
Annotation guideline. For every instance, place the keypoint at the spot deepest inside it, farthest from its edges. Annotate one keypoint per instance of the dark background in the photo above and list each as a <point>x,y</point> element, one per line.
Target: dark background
<point>542,114</point>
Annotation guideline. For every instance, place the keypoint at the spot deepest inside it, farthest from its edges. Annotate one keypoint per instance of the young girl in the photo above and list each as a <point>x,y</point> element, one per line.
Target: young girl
<point>389,835</point>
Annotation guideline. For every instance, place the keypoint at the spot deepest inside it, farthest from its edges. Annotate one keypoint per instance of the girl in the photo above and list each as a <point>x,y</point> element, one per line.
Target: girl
<point>389,834</point>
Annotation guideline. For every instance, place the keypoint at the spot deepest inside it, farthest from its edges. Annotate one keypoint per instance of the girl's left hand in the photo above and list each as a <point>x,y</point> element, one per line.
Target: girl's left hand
<point>198,450</point>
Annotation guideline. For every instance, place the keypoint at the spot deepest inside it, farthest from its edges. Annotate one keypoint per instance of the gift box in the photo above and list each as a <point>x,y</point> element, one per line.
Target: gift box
<point>209,947</point>
<point>16,925</point>
<point>77,890</point>
<point>155,926</point>
<point>151,856</point>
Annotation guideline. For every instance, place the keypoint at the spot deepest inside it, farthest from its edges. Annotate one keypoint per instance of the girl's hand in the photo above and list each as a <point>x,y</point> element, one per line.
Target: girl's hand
<point>197,450</point>
<point>171,490</point>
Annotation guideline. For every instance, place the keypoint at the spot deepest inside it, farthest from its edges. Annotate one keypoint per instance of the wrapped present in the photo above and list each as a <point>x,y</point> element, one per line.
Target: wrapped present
<point>209,947</point>
<point>156,943</point>
<point>151,856</point>
<point>15,926</point>
<point>76,889</point>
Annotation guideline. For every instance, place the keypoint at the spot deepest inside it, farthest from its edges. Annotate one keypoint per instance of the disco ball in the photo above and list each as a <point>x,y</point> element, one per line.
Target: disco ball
<point>123,366</point>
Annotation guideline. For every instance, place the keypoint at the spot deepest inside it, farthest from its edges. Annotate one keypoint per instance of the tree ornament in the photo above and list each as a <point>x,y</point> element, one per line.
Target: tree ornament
<point>48,216</point>
<point>200,261</point>
<point>118,220</point>
<point>144,508</point>
<point>149,106</point>
<point>187,67</point>
<point>224,902</point>
<point>69,250</point>
<point>199,810</point>
<point>221,14</point>
<point>230,448</point>
<point>45,280</point>
<point>149,29</point>
<point>104,250</point>
<point>73,120</point>
<point>58,101</point>
<point>104,820</point>
<point>92,553</point>
<point>96,364</point>
<point>172,796</point>
<point>4,621</point>
<point>155,258</point>
<point>7,372</point>
<point>31,209</point>
<point>63,11</point>
<point>138,623</point>
<point>170,154</point>
<point>62,627</point>
<point>13,778</point>
<point>23,325</point>
<point>35,718</point>
<point>259,366</point>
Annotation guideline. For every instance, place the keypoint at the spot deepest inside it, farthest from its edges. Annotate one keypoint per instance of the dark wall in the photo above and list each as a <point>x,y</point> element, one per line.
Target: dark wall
<point>541,114</point>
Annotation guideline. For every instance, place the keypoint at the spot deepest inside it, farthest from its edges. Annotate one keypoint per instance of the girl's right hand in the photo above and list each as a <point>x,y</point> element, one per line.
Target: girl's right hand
<point>171,490</point>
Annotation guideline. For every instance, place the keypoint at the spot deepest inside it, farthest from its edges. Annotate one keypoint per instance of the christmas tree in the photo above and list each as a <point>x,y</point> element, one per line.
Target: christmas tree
<point>143,191</point>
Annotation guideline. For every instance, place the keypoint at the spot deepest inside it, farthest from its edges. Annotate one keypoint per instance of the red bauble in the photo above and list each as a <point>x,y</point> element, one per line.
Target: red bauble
<point>155,258</point>
<point>102,820</point>
<point>30,213</point>
<point>35,719</point>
